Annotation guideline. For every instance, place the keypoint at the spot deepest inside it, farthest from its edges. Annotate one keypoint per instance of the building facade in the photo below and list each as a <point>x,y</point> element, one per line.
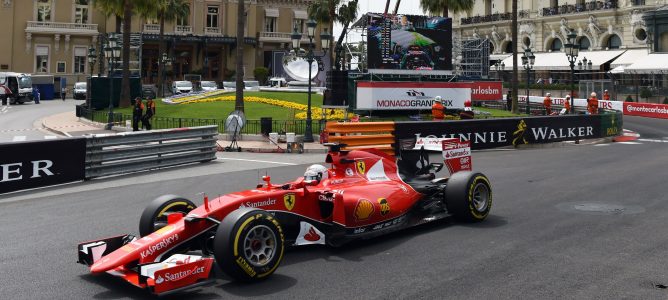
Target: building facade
<point>53,37</point>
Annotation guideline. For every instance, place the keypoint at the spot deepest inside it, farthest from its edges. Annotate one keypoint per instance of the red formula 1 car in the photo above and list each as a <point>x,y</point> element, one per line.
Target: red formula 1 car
<point>363,194</point>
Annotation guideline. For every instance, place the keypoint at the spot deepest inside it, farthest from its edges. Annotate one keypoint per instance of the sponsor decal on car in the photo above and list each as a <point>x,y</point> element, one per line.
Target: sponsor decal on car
<point>309,234</point>
<point>179,275</point>
<point>162,244</point>
<point>371,228</point>
<point>289,201</point>
<point>258,204</point>
<point>377,172</point>
<point>361,167</point>
<point>349,172</point>
<point>384,207</point>
<point>363,209</point>
<point>245,266</point>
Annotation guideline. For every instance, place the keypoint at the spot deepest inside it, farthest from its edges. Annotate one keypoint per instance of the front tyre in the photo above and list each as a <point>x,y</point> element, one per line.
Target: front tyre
<point>249,244</point>
<point>155,214</point>
<point>468,196</point>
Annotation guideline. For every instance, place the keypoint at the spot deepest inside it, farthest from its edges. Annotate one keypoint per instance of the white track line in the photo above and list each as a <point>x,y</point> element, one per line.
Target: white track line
<point>50,137</point>
<point>260,161</point>
<point>629,143</point>
<point>653,140</point>
<point>19,138</point>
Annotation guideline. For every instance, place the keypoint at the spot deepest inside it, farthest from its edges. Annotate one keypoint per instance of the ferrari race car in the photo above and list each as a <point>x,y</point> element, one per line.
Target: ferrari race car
<point>363,194</point>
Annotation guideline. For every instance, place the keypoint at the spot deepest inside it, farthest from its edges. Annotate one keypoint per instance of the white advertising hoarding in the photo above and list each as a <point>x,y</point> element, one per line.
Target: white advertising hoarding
<point>410,95</point>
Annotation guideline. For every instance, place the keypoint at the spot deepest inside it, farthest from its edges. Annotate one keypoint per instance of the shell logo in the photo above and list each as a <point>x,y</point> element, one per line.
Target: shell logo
<point>363,209</point>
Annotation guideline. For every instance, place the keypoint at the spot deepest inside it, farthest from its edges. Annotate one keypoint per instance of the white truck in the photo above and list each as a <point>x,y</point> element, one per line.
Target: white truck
<point>20,84</point>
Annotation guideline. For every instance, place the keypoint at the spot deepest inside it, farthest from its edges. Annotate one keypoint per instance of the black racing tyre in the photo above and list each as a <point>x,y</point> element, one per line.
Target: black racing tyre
<point>249,244</point>
<point>155,214</point>
<point>468,196</point>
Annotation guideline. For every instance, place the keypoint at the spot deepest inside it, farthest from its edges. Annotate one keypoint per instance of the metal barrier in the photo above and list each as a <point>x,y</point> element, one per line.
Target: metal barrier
<point>145,150</point>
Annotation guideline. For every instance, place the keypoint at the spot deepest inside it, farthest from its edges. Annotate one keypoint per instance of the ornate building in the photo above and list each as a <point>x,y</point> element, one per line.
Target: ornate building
<point>53,37</point>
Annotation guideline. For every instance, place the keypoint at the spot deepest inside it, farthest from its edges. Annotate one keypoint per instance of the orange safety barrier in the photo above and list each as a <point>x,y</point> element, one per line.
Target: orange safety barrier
<point>362,135</point>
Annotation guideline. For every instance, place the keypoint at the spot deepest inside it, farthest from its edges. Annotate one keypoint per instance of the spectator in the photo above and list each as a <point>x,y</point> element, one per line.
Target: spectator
<point>437,109</point>
<point>36,95</point>
<point>606,96</point>
<point>137,113</point>
<point>567,104</point>
<point>547,104</point>
<point>5,93</point>
<point>150,112</point>
<point>592,104</point>
<point>63,93</point>
<point>509,100</point>
<point>467,113</point>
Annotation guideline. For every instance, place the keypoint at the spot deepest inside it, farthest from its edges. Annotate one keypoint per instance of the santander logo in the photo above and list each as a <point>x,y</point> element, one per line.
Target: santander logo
<point>312,236</point>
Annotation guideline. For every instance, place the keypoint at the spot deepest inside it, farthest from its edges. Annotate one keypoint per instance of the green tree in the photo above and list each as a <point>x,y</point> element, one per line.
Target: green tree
<point>347,14</point>
<point>163,11</point>
<point>324,12</point>
<point>443,6</point>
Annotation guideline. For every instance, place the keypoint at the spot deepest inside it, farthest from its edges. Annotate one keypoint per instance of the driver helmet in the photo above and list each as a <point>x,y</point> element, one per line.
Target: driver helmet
<point>437,99</point>
<point>315,173</point>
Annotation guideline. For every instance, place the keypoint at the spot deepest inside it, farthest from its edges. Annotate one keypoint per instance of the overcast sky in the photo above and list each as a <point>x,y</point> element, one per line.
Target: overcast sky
<point>410,7</point>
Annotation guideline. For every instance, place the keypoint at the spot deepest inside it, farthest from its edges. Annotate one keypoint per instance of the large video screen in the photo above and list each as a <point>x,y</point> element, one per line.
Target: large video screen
<point>409,42</point>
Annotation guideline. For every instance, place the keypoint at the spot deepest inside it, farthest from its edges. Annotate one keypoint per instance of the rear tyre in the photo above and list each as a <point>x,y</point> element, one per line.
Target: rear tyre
<point>155,214</point>
<point>468,196</point>
<point>249,244</point>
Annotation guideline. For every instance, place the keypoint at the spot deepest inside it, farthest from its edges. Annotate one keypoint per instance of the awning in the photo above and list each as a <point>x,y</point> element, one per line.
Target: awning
<point>271,12</point>
<point>300,14</point>
<point>652,63</point>
<point>629,57</point>
<point>499,56</point>
<point>557,61</point>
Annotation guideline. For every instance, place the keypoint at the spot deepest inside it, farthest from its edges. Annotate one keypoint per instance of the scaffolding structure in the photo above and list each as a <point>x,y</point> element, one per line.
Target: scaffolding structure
<point>471,58</point>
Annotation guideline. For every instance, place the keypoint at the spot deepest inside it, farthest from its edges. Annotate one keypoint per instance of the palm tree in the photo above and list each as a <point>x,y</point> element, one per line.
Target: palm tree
<point>241,20</point>
<point>111,8</point>
<point>127,27</point>
<point>347,14</point>
<point>443,6</point>
<point>324,12</point>
<point>163,11</point>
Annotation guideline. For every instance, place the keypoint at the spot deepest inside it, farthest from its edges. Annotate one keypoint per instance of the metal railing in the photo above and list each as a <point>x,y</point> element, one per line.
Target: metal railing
<point>34,26</point>
<point>251,126</point>
<point>212,30</point>
<point>140,151</point>
<point>183,29</point>
<point>579,8</point>
<point>151,28</point>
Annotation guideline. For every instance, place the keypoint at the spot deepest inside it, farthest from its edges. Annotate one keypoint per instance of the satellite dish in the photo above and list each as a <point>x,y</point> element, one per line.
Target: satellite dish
<point>233,124</point>
<point>297,67</point>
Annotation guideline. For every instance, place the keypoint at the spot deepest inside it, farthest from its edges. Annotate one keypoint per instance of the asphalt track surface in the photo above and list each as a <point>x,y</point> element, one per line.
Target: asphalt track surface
<point>575,222</point>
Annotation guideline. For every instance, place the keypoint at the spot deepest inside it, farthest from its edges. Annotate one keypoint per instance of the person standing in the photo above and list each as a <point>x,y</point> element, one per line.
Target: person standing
<point>592,104</point>
<point>437,109</point>
<point>567,104</point>
<point>606,95</point>
<point>547,104</point>
<point>509,100</point>
<point>35,95</point>
<point>63,93</point>
<point>150,112</point>
<point>137,112</point>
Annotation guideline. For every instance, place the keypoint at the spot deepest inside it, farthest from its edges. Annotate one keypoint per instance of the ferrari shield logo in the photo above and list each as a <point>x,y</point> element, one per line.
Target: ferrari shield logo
<point>361,167</point>
<point>289,201</point>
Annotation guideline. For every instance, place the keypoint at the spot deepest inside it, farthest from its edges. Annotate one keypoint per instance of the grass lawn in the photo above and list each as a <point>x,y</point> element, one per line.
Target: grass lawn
<point>220,110</point>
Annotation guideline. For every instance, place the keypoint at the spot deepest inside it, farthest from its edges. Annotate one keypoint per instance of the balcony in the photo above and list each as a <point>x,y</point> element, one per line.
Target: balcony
<point>151,28</point>
<point>579,8</point>
<point>212,31</point>
<point>523,14</point>
<point>183,29</point>
<point>278,37</point>
<point>61,28</point>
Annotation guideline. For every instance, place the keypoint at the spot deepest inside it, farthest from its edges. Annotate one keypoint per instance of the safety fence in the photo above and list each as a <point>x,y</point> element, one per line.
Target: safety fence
<point>34,164</point>
<point>157,122</point>
<point>483,134</point>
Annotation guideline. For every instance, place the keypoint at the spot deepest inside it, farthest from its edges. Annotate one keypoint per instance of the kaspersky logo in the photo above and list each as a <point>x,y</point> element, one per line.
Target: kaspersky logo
<point>164,243</point>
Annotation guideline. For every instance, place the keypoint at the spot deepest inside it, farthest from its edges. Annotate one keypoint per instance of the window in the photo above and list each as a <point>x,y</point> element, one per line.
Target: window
<point>299,24</point>
<point>44,10</point>
<point>556,45</point>
<point>80,60</point>
<point>41,59</point>
<point>614,42</point>
<point>60,67</point>
<point>212,17</point>
<point>584,43</point>
<point>270,24</point>
<point>183,21</point>
<point>81,11</point>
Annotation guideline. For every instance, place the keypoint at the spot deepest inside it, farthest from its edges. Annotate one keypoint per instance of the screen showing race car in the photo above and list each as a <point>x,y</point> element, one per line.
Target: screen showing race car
<point>409,42</point>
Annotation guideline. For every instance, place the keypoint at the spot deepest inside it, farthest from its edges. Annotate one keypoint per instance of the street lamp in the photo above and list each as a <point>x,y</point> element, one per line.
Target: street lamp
<point>310,58</point>
<point>112,51</point>
<point>165,61</point>
<point>528,60</point>
<point>572,49</point>
<point>92,57</point>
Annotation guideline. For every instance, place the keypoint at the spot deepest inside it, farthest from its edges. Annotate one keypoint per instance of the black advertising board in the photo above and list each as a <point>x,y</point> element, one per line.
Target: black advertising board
<point>492,133</point>
<point>25,165</point>
<point>409,42</point>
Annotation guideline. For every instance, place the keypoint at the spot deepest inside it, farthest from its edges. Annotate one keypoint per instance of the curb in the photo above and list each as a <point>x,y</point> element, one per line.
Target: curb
<point>56,131</point>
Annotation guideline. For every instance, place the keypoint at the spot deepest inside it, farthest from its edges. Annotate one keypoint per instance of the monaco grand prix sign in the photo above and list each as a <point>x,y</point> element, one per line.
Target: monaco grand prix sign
<point>410,95</point>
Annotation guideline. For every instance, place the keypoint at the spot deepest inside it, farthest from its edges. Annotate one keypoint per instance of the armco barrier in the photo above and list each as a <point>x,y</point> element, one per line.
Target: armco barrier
<point>25,165</point>
<point>356,135</point>
<point>144,150</point>
<point>483,134</point>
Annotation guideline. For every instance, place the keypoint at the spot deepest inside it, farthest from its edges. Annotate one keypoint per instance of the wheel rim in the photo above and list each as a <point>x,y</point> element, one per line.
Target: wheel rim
<point>480,197</point>
<point>259,245</point>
